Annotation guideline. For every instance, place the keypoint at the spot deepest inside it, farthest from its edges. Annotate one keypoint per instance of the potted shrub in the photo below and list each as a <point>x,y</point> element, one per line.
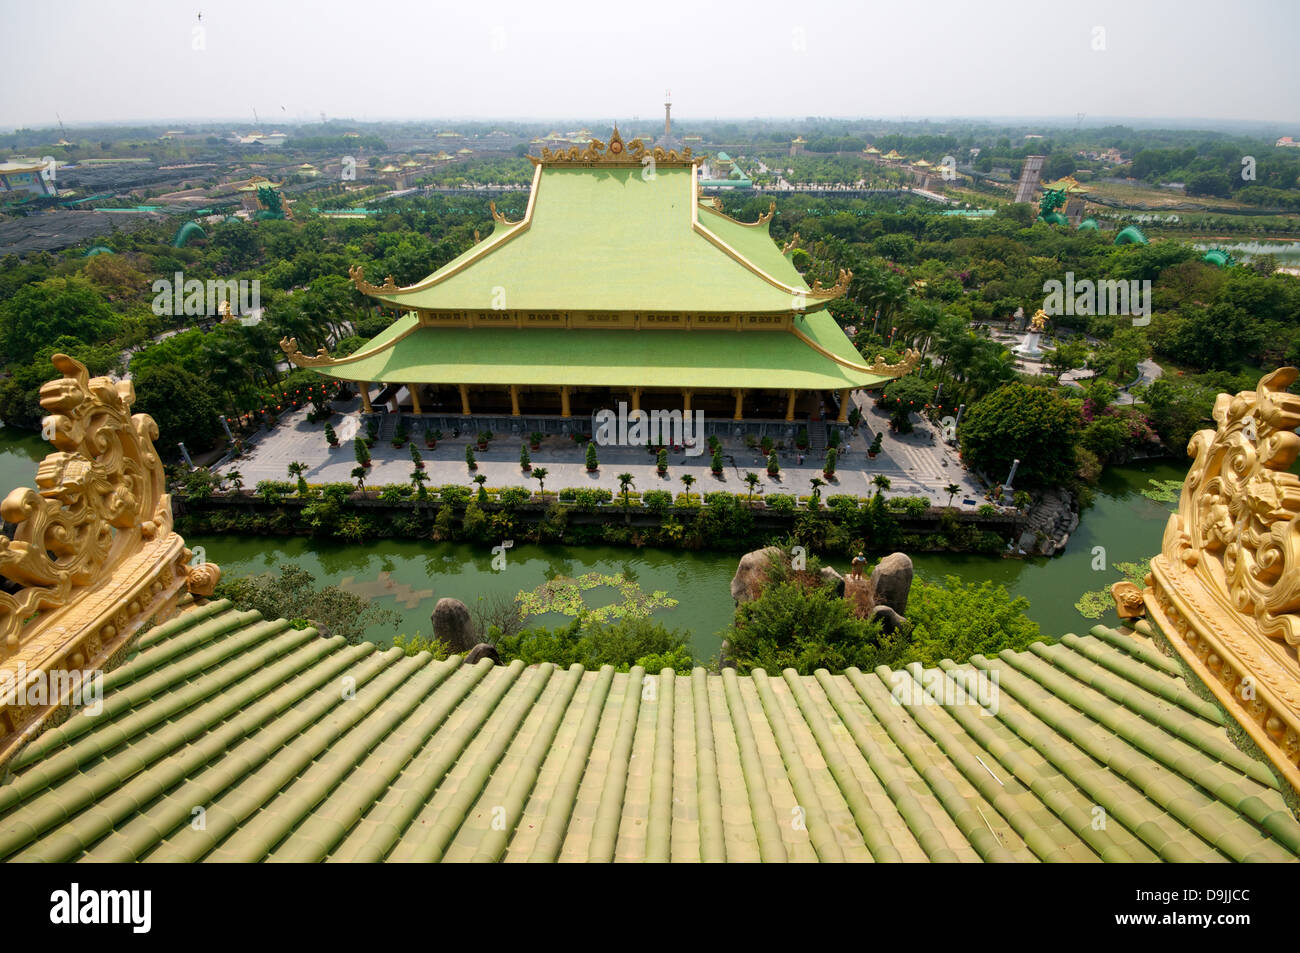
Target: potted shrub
<point>431,438</point>
<point>716,465</point>
<point>469,458</point>
<point>535,440</point>
<point>773,467</point>
<point>875,444</point>
<point>525,461</point>
<point>416,459</point>
<point>483,438</point>
<point>662,462</point>
<point>592,462</point>
<point>330,436</point>
<point>801,438</point>
<point>767,445</point>
<point>362,451</point>
<point>828,469</point>
<point>401,435</point>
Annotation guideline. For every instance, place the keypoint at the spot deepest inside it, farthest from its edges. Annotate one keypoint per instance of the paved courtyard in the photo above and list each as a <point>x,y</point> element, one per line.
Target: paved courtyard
<point>917,464</point>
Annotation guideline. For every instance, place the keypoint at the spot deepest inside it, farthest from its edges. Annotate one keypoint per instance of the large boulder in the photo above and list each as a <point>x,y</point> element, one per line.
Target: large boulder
<point>889,619</point>
<point>751,575</point>
<point>484,650</point>
<point>453,625</point>
<point>891,581</point>
<point>831,577</point>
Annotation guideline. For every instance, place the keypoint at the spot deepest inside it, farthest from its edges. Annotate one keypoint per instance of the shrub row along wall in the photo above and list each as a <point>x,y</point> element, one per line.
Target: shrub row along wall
<point>838,525</point>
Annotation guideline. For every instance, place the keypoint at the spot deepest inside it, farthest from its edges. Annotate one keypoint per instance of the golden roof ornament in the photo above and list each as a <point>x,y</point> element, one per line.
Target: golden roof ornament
<point>792,243</point>
<point>359,281</point>
<point>1225,589</point>
<point>836,290</point>
<point>92,557</point>
<point>615,152</point>
<point>290,348</point>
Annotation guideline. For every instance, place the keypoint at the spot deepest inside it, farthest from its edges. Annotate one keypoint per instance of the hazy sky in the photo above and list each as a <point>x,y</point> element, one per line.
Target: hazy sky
<point>111,60</point>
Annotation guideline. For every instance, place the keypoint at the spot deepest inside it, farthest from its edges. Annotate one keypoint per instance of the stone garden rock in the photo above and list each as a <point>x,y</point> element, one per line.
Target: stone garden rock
<point>453,625</point>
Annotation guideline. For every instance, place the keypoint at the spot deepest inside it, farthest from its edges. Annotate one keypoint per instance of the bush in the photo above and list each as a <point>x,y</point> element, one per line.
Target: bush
<point>622,644</point>
<point>657,500</point>
<point>1026,423</point>
<point>292,594</point>
<point>782,503</point>
<point>798,623</point>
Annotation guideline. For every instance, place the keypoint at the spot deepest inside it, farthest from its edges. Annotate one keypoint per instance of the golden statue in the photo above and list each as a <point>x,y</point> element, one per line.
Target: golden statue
<point>1038,323</point>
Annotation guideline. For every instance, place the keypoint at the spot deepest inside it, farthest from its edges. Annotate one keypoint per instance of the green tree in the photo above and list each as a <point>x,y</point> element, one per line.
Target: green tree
<point>525,461</point>
<point>592,461</point>
<point>540,474</point>
<point>56,307</point>
<point>292,594</point>
<point>957,620</point>
<point>361,451</point>
<point>952,489</point>
<point>469,457</point>
<point>752,479</point>
<point>1026,423</point>
<point>182,404</point>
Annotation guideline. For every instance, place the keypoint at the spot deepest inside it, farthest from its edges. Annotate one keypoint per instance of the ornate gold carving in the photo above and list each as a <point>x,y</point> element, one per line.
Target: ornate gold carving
<point>1235,523</point>
<point>617,152</point>
<point>290,347</point>
<point>1128,600</point>
<point>359,280</point>
<point>793,242</point>
<point>1225,588</point>
<point>841,285</point>
<point>498,217</point>
<point>98,499</point>
<point>201,580</point>
<point>763,219</point>
<point>1039,321</point>
<point>911,357</point>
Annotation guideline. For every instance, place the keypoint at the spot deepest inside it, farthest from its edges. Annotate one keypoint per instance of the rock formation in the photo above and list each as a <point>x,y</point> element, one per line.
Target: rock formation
<point>1051,519</point>
<point>891,581</point>
<point>453,625</point>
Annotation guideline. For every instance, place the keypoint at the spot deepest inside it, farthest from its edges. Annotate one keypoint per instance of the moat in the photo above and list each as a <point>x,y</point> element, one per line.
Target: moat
<point>408,577</point>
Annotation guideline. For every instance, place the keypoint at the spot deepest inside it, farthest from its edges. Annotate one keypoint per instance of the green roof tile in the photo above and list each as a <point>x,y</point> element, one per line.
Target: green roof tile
<point>297,747</point>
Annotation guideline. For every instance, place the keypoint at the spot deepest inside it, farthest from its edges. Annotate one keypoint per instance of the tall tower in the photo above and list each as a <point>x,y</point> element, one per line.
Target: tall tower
<point>668,113</point>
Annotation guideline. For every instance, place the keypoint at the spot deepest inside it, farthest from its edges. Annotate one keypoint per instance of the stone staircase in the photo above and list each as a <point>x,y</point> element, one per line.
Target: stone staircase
<point>816,436</point>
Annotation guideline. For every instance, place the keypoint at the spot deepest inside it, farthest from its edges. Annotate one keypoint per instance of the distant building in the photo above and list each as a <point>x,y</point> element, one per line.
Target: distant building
<point>1286,142</point>
<point>796,147</point>
<point>24,176</point>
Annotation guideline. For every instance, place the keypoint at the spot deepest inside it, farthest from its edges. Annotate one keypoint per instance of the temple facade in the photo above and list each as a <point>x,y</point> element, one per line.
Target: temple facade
<point>619,284</point>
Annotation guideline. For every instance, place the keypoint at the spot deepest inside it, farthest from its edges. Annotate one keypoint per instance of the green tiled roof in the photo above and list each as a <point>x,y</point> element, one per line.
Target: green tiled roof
<point>227,737</point>
<point>599,358</point>
<point>606,240</point>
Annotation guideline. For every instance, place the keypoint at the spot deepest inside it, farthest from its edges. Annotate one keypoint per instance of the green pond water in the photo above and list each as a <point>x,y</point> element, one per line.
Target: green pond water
<point>409,576</point>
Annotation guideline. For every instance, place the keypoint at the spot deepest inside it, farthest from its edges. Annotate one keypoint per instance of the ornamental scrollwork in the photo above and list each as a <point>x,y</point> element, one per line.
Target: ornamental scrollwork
<point>836,290</point>
<point>1236,527</point>
<point>98,499</point>
<point>615,152</point>
<point>290,348</point>
<point>359,280</point>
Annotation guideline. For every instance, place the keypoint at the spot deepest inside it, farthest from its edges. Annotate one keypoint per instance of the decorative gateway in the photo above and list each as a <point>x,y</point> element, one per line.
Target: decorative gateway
<point>1226,588</point>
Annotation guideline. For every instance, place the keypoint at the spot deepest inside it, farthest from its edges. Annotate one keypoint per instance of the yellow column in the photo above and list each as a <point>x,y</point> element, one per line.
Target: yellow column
<point>564,401</point>
<point>789,404</point>
<point>843,418</point>
<point>514,400</point>
<point>464,400</point>
<point>415,397</point>
<point>740,404</point>
<point>686,401</point>
<point>364,387</point>
<point>636,398</point>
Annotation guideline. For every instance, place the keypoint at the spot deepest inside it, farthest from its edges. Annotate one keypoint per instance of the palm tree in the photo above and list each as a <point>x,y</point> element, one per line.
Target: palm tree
<point>817,484</point>
<point>625,481</point>
<point>540,474</point>
<point>752,479</point>
<point>952,489</point>
<point>296,471</point>
<point>688,481</point>
<point>359,474</point>
<point>881,482</point>
<point>236,480</point>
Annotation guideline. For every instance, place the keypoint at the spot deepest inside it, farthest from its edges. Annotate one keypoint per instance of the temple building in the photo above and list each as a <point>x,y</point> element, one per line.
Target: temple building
<point>1175,737</point>
<point>618,284</point>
